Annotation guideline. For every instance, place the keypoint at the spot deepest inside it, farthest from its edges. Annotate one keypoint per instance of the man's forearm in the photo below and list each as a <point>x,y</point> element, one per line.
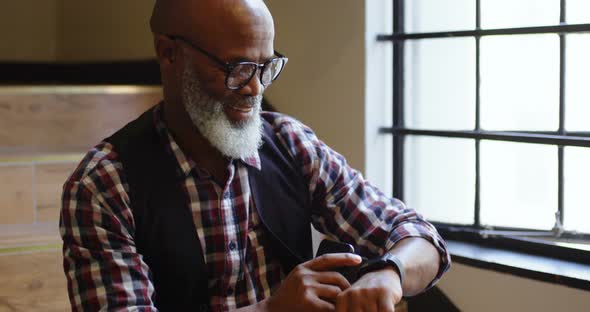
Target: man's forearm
<point>421,262</point>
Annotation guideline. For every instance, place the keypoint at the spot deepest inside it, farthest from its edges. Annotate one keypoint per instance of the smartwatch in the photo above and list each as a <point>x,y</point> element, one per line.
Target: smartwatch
<point>387,260</point>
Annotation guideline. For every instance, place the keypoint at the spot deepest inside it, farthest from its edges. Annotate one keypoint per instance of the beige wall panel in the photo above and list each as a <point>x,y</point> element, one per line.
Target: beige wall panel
<point>108,30</point>
<point>16,195</point>
<point>479,290</point>
<point>62,121</point>
<point>323,83</point>
<point>33,281</point>
<point>49,179</point>
<point>28,31</point>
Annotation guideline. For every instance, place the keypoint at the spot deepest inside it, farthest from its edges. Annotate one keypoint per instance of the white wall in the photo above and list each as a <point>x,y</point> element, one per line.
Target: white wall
<point>331,98</point>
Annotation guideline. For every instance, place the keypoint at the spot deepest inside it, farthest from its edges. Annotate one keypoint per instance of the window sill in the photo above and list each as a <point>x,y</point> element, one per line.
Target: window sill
<point>541,268</point>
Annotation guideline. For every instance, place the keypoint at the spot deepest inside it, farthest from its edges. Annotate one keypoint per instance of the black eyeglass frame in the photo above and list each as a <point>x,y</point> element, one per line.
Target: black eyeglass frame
<point>229,67</point>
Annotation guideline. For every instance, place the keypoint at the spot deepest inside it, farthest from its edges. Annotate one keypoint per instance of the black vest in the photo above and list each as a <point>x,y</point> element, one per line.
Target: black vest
<point>164,230</point>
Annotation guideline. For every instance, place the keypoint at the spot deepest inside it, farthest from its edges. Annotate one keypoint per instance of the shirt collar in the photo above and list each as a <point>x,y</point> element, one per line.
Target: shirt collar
<point>253,161</point>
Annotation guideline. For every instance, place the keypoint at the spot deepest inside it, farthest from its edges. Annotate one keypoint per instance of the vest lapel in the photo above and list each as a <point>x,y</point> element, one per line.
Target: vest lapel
<point>282,200</point>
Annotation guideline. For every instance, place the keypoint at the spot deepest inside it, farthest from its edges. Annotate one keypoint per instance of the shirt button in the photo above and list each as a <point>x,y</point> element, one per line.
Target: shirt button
<point>230,291</point>
<point>232,245</point>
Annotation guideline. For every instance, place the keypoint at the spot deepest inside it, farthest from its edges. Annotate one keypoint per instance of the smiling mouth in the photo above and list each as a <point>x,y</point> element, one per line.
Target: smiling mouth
<point>243,109</point>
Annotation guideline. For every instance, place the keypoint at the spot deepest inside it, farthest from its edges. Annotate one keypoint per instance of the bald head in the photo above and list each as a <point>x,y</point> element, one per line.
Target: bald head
<point>203,21</point>
<point>211,31</point>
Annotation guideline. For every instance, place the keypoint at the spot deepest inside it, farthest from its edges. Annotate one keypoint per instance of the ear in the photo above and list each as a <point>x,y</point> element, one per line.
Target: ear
<point>166,49</point>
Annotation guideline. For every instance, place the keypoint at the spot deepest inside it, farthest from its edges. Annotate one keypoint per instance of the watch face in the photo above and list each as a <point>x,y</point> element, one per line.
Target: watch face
<point>374,265</point>
<point>387,260</point>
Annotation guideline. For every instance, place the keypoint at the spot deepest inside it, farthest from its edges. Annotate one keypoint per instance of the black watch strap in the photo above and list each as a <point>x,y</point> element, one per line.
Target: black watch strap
<point>387,260</point>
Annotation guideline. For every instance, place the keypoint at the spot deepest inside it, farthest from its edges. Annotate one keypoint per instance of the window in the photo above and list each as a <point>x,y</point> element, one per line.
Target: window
<point>491,120</point>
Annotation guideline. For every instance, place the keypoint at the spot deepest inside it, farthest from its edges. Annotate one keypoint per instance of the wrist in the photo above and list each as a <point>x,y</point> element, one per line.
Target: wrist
<point>387,261</point>
<point>392,272</point>
<point>386,277</point>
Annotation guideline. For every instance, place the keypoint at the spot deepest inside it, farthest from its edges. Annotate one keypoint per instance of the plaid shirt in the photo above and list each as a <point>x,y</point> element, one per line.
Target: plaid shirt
<point>104,270</point>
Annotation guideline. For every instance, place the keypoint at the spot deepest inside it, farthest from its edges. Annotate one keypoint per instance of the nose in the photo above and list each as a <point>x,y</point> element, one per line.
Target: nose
<point>254,86</point>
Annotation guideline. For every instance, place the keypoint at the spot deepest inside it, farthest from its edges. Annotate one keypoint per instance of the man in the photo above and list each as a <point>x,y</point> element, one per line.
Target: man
<point>204,202</point>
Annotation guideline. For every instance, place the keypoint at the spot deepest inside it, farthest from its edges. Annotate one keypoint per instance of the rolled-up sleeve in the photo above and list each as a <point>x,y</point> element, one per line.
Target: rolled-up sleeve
<point>102,267</point>
<point>349,208</point>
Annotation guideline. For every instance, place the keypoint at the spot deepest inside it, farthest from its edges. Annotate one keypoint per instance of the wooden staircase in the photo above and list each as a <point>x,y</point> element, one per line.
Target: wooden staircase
<point>44,132</point>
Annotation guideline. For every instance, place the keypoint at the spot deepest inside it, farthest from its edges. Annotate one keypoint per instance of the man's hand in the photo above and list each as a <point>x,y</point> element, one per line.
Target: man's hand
<point>311,287</point>
<point>375,291</point>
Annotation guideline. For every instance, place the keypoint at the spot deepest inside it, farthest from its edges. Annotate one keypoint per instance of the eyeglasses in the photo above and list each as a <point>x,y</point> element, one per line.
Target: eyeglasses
<point>239,74</point>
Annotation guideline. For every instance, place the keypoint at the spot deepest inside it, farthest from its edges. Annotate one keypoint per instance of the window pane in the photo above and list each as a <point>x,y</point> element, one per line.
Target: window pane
<point>440,178</point>
<point>577,91</point>
<point>518,185</point>
<point>576,212</point>
<point>436,15</point>
<point>577,11</point>
<point>519,13</point>
<point>520,82</point>
<point>440,84</point>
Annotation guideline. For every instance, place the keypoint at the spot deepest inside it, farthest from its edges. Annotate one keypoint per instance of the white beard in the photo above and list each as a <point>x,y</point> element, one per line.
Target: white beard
<point>234,140</point>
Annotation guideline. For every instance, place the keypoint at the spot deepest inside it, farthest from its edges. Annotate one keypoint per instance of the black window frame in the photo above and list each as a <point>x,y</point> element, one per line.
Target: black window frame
<point>528,241</point>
